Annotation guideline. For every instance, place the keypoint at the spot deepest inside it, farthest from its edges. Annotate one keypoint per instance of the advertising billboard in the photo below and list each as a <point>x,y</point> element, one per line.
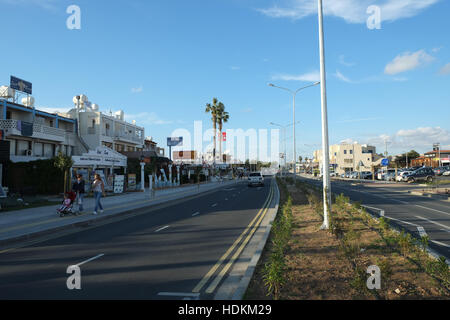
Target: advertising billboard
<point>21,85</point>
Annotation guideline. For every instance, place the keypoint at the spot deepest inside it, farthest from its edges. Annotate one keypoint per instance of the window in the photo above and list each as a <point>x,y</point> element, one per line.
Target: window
<point>351,151</point>
<point>345,151</point>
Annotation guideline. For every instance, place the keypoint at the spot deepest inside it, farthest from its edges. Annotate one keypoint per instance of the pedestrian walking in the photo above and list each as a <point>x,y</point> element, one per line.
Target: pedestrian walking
<point>99,189</point>
<point>79,188</point>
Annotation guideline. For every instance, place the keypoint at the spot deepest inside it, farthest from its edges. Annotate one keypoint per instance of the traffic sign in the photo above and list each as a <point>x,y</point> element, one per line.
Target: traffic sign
<point>175,142</point>
<point>385,162</point>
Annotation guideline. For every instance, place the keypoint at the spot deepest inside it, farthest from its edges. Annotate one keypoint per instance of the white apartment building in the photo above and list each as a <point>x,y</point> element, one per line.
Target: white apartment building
<point>34,134</point>
<point>350,157</point>
<point>98,129</point>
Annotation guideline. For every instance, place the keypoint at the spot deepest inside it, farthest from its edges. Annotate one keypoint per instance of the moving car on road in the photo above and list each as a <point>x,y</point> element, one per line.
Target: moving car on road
<point>255,179</point>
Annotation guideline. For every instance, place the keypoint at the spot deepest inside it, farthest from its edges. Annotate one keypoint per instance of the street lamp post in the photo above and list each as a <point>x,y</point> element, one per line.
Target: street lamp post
<point>294,94</point>
<point>284,137</point>
<point>326,156</point>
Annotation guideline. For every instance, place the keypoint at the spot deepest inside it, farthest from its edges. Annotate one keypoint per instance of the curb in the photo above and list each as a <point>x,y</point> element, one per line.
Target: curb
<point>97,219</point>
<point>244,282</point>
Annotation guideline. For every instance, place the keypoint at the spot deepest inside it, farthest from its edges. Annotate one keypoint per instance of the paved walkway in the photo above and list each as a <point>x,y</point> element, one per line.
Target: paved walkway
<point>27,223</point>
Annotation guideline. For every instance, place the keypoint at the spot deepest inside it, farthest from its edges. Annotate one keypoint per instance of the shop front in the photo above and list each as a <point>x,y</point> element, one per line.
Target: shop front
<point>109,164</point>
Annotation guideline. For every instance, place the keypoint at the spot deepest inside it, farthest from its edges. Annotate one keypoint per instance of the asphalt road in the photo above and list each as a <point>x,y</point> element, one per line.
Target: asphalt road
<point>165,253</point>
<point>407,211</point>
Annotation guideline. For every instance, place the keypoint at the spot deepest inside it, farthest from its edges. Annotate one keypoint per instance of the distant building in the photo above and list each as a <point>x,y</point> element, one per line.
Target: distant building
<point>431,159</point>
<point>350,157</point>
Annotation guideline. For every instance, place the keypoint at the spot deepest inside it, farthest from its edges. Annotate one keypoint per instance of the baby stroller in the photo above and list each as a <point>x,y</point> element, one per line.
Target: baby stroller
<point>67,204</point>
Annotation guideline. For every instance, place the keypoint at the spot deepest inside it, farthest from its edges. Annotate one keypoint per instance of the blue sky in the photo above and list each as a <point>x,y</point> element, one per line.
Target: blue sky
<point>162,61</point>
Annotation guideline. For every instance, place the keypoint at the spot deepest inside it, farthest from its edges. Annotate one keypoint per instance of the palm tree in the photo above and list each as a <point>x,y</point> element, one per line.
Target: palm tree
<point>222,117</point>
<point>213,110</point>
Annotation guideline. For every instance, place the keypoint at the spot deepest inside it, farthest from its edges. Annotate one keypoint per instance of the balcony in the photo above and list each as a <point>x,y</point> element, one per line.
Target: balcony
<point>12,127</point>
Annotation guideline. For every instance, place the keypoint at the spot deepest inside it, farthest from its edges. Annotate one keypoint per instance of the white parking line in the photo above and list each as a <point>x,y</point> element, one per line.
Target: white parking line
<point>163,228</point>
<point>91,259</point>
<point>214,205</point>
<point>196,214</point>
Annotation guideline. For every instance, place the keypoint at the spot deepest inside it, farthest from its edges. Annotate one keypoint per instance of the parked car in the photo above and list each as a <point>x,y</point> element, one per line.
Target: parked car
<point>440,171</point>
<point>255,178</point>
<point>422,174</point>
<point>382,174</point>
<point>402,176</point>
<point>447,172</point>
<point>366,175</point>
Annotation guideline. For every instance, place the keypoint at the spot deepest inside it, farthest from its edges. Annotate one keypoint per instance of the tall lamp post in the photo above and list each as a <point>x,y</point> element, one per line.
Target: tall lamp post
<point>326,155</point>
<point>294,94</point>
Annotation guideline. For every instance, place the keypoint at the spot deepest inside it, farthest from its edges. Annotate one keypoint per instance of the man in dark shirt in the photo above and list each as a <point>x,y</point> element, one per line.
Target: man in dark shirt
<point>78,187</point>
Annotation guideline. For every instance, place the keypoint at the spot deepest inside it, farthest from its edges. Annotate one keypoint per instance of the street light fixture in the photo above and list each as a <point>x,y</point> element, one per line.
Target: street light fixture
<point>285,137</point>
<point>294,94</point>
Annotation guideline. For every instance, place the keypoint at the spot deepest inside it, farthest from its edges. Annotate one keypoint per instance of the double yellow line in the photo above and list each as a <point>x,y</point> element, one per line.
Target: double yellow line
<point>251,229</point>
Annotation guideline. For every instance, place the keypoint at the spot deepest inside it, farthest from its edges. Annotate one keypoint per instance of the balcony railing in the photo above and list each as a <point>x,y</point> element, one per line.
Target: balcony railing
<point>39,131</point>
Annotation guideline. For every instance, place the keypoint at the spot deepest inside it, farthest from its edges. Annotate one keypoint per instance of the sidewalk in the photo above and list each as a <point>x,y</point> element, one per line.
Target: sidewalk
<point>29,223</point>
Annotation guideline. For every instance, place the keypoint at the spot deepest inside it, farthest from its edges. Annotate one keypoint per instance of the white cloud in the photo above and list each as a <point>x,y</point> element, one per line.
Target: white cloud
<point>352,11</point>
<point>147,118</point>
<point>50,5</point>
<point>408,61</point>
<point>313,76</point>
<point>445,70</point>
<point>345,63</point>
<point>137,90</point>
<point>235,68</point>
<point>419,139</point>
<point>340,76</point>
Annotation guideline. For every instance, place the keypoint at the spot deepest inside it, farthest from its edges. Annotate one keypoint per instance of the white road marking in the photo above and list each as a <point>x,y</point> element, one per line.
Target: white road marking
<point>433,209</point>
<point>422,232</point>
<point>410,223</point>
<point>214,205</point>
<point>163,228</point>
<point>196,214</point>
<point>433,222</point>
<point>91,259</point>
<point>440,243</point>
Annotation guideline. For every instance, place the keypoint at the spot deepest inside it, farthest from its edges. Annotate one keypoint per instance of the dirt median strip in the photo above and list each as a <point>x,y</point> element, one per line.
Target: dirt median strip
<point>332,265</point>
